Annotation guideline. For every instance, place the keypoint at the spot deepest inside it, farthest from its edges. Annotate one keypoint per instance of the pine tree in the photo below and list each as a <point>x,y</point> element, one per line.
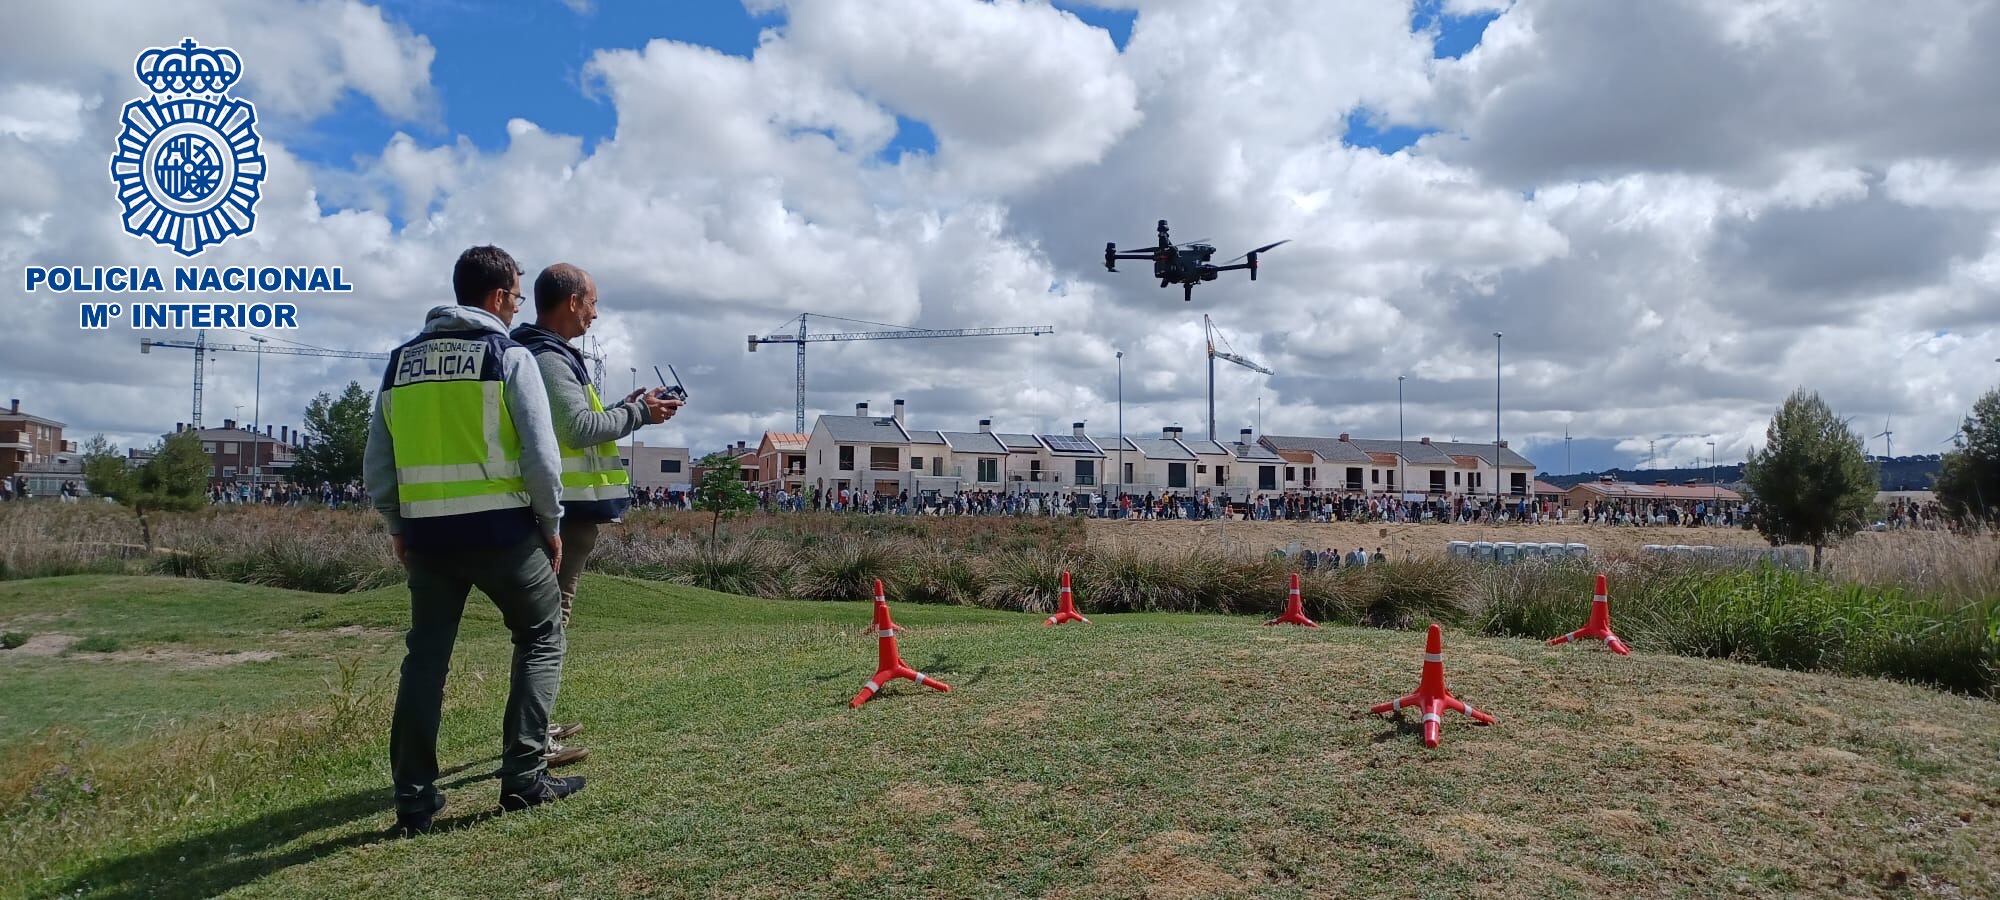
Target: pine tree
<point>339,432</point>
<point>1811,482</point>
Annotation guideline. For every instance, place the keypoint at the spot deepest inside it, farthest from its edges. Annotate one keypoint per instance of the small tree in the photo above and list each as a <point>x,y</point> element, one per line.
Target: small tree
<point>339,432</point>
<point>175,479</point>
<point>721,490</point>
<point>1811,481</point>
<point>1968,485</point>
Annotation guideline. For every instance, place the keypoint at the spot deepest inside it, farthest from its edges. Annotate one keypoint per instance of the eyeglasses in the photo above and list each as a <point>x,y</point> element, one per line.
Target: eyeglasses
<point>517,297</point>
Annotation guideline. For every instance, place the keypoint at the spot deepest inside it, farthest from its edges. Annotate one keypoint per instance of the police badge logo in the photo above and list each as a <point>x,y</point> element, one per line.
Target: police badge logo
<point>188,168</point>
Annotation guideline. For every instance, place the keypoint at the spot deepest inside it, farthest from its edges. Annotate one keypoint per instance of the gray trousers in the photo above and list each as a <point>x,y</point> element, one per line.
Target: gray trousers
<point>522,585</point>
<point>578,539</point>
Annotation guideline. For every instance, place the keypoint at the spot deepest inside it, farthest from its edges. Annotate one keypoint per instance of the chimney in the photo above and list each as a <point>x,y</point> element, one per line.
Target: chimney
<point>179,427</point>
<point>1503,445</point>
<point>267,431</point>
<point>1076,428</point>
<point>1170,432</point>
<point>1243,437</point>
<point>1426,442</point>
<point>1344,437</point>
<point>985,426</point>
<point>284,434</point>
<point>739,445</point>
<point>860,409</point>
<point>899,412</point>
<point>229,423</point>
<point>14,405</point>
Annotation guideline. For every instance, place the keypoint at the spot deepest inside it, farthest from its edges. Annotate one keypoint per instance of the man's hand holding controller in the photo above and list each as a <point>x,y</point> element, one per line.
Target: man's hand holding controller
<point>660,404</point>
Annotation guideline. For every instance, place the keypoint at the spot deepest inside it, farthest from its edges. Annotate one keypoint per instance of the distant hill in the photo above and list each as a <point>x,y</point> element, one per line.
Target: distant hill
<point>1903,473</point>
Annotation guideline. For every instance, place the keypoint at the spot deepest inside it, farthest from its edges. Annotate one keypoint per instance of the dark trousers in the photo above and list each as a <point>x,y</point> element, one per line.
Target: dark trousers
<point>522,585</point>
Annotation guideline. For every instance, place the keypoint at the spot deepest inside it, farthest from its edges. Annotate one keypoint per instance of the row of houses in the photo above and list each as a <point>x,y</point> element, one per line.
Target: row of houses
<point>883,455</point>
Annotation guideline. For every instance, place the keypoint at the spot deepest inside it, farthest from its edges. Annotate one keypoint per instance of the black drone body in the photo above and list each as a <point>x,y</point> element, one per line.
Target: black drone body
<point>1184,264</point>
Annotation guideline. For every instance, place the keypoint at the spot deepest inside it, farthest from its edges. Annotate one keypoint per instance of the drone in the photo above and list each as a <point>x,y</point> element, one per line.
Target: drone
<point>1184,264</point>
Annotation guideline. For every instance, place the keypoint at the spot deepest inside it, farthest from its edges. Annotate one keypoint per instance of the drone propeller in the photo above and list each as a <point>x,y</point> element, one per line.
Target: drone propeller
<point>1262,249</point>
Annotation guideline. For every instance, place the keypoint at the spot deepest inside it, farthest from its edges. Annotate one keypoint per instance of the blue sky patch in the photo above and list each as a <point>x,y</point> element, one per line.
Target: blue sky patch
<point>1117,21</point>
<point>1456,35</point>
<point>1364,130</point>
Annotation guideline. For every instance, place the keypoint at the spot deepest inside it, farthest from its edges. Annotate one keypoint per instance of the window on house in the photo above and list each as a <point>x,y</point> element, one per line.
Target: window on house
<point>916,463</point>
<point>1520,483</point>
<point>1267,478</point>
<point>1291,473</point>
<point>1221,476</point>
<point>229,447</point>
<point>624,463</point>
<point>1354,478</point>
<point>1456,480</point>
<point>1312,475</point>
<point>670,466</point>
<point>989,470</point>
<point>1086,472</point>
<point>1201,470</point>
<point>1128,473</point>
<point>1392,477</point>
<point>1437,481</point>
<point>1177,475</point>
<point>846,459</point>
<point>1374,476</point>
<point>1034,470</point>
<point>884,459</point>
<point>208,446</point>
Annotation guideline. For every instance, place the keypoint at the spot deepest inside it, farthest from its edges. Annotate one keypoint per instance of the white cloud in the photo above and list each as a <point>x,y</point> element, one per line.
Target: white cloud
<point>1676,211</point>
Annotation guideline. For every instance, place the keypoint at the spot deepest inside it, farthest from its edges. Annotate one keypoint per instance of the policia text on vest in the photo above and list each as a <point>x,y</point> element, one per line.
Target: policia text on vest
<point>463,464</point>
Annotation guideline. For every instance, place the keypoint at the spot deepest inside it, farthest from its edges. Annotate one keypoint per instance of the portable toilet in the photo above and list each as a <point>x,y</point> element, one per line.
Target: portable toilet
<point>1681,551</point>
<point>1483,551</point>
<point>1458,549</point>
<point>1527,550</point>
<point>1652,550</point>
<point>1577,551</point>
<point>1506,552</point>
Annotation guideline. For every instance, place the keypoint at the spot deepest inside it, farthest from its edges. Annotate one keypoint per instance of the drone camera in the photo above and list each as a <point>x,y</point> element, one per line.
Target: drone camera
<point>1111,257</point>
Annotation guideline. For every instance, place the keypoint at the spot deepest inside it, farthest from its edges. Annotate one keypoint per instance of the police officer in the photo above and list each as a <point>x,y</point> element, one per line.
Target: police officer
<point>463,464</point>
<point>596,485</point>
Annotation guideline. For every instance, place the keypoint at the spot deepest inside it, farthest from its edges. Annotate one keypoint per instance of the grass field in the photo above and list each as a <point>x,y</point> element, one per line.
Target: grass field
<point>1144,755</point>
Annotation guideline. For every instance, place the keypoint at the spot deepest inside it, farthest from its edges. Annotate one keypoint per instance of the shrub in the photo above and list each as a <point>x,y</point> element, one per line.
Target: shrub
<point>12,639</point>
<point>846,568</point>
<point>939,574</point>
<point>98,643</point>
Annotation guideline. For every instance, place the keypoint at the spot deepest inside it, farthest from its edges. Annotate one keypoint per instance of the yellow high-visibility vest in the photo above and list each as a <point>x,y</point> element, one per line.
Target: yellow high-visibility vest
<point>455,445</point>
<point>594,473</point>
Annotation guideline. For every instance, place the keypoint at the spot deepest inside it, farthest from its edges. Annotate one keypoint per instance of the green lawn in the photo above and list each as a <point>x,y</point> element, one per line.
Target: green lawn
<point>1143,755</point>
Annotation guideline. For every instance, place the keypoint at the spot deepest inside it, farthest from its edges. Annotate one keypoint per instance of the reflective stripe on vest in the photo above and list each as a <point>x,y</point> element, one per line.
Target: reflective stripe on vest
<point>594,473</point>
<point>455,445</point>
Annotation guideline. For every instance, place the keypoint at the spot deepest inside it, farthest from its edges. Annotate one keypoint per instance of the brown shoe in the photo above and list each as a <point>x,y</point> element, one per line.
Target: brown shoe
<point>559,755</point>
<point>565,732</point>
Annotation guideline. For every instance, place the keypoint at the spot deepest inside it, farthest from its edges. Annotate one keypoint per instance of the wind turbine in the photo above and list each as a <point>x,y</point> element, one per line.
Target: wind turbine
<point>1889,440</point>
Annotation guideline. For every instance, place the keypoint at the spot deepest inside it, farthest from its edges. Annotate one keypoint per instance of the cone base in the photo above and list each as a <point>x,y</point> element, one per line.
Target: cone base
<point>1293,618</point>
<point>882,679</point>
<point>1611,641</point>
<point>1068,615</point>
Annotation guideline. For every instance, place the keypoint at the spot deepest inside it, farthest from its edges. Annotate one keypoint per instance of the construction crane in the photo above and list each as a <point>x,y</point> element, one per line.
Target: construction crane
<point>202,347</point>
<point>896,332</point>
<point>1211,333</point>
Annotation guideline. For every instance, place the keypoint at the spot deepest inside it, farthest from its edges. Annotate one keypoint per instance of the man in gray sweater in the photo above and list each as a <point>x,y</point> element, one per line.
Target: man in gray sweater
<point>596,485</point>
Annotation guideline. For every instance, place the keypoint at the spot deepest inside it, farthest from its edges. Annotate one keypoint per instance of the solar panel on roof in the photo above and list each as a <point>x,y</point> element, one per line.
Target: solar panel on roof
<point>1063,443</point>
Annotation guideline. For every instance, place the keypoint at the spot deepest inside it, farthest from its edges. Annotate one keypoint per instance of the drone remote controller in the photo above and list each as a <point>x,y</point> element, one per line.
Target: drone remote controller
<point>671,391</point>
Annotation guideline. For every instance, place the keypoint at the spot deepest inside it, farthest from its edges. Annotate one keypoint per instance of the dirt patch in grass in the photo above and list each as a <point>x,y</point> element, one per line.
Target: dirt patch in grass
<point>177,658</point>
<point>1164,867</point>
<point>43,645</point>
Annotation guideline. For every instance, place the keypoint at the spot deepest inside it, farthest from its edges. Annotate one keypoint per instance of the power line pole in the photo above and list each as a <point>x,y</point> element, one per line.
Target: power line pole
<point>1496,416</point>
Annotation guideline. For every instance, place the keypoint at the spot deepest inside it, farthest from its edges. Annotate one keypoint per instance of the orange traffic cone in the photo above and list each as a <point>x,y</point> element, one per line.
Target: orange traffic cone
<point>1432,697</point>
<point>888,661</point>
<point>1599,626</point>
<point>1295,609</point>
<point>1065,607</point>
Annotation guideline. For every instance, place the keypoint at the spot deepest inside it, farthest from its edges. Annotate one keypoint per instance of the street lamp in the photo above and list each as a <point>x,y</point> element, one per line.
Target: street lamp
<point>1713,487</point>
<point>1121,427</point>
<point>632,452</point>
<point>1401,485</point>
<point>1496,418</point>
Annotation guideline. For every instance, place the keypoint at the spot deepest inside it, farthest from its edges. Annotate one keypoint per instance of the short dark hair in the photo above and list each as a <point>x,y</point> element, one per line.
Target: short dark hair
<point>558,283</point>
<point>481,271</point>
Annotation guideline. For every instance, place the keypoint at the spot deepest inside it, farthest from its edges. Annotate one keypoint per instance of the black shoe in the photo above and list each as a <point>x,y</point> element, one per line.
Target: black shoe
<point>548,790</point>
<point>412,824</point>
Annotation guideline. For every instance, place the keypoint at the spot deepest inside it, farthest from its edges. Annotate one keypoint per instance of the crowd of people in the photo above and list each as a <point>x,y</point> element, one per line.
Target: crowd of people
<point>328,494</point>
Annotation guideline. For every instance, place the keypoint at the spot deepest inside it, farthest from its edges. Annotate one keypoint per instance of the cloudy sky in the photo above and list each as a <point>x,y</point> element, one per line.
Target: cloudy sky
<point>1677,210</point>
